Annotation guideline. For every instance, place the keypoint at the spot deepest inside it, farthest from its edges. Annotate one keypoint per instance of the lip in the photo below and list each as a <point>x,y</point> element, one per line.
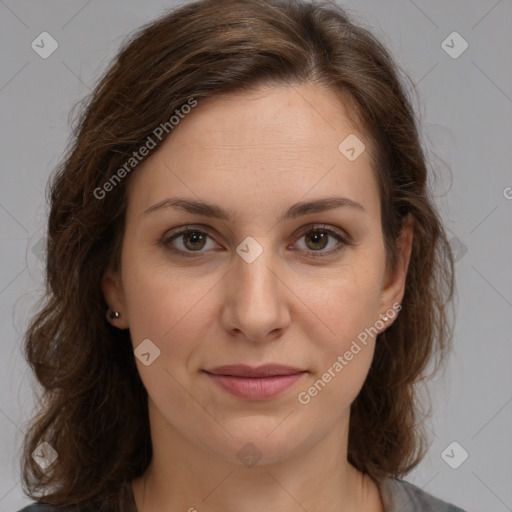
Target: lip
<point>255,383</point>
<point>243,370</point>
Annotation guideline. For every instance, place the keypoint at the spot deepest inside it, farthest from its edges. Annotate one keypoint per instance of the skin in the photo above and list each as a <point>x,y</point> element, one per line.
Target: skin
<point>254,154</point>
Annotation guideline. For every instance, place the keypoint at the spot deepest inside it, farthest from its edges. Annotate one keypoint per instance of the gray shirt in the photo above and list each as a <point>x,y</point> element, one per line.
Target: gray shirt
<point>397,496</point>
<point>402,496</point>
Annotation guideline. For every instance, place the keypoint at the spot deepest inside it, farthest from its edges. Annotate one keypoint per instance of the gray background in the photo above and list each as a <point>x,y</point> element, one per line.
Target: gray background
<point>465,107</point>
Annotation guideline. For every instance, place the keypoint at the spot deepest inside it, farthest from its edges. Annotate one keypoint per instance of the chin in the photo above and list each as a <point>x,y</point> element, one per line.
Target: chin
<point>260,440</point>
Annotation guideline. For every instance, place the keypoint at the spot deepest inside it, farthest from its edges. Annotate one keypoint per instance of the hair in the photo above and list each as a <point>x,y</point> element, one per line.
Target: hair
<point>93,405</point>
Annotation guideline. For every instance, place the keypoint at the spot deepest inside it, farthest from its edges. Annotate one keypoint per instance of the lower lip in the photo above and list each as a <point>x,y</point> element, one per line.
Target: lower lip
<point>252,388</point>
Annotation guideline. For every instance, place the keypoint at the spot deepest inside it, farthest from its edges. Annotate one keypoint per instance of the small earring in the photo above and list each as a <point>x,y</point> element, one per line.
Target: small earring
<point>111,315</point>
<point>385,318</point>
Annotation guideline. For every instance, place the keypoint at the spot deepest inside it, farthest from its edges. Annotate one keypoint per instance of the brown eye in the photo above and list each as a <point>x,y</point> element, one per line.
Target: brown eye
<point>316,240</point>
<point>188,241</point>
<point>194,240</point>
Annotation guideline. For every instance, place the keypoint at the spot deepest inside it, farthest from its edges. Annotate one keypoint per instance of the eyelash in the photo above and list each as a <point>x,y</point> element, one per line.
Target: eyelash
<point>166,240</point>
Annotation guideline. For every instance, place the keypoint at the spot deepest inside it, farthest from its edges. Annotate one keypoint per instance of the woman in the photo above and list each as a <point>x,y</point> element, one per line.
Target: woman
<point>246,275</point>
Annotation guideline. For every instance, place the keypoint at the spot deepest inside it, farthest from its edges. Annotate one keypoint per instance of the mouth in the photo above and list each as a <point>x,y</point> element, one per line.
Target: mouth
<point>255,383</point>
<point>242,370</point>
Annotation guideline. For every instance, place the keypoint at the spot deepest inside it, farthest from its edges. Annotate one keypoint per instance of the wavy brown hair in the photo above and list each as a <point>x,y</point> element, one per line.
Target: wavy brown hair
<point>93,405</point>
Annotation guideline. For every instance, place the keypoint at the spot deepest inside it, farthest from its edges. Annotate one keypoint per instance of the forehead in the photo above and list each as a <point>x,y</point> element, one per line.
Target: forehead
<point>279,142</point>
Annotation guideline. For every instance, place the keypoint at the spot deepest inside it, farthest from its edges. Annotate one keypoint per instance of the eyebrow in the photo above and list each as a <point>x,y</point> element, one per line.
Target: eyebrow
<point>212,210</point>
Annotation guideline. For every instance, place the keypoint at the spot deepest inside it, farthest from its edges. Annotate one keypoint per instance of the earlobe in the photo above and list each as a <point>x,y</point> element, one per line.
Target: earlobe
<point>114,297</point>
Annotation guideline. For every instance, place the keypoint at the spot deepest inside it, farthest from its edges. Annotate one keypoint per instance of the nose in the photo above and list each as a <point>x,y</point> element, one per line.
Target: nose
<point>256,302</point>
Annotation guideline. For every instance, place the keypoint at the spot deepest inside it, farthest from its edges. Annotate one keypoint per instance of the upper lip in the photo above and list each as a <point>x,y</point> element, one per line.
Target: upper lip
<point>266,370</point>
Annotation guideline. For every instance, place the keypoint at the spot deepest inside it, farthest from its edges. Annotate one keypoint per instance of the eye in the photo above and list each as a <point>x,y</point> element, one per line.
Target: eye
<point>193,240</point>
<point>188,240</point>
<point>318,238</point>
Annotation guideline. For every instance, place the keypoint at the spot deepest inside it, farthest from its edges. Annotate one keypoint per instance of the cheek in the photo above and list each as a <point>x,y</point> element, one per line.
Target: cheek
<point>170,306</point>
<point>158,301</point>
<point>348,306</point>
<point>330,394</point>
<point>164,310</point>
<point>345,349</point>
<point>345,302</point>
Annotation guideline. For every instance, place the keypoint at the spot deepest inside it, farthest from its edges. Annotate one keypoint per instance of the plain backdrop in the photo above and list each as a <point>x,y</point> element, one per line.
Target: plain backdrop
<point>465,109</point>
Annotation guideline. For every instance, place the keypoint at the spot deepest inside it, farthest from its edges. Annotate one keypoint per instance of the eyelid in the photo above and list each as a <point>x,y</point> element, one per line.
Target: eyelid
<point>315,226</point>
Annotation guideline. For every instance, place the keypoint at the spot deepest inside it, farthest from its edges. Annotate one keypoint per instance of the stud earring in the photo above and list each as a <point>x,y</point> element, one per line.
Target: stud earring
<point>111,315</point>
<point>385,318</point>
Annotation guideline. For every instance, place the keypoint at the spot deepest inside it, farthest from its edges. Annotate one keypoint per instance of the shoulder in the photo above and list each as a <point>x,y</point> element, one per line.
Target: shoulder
<point>399,495</point>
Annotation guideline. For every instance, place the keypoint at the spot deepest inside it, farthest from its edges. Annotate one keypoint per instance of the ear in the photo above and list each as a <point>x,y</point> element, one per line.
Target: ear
<point>393,287</point>
<point>111,285</point>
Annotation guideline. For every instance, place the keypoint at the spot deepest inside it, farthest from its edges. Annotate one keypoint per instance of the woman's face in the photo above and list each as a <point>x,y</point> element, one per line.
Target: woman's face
<point>253,283</point>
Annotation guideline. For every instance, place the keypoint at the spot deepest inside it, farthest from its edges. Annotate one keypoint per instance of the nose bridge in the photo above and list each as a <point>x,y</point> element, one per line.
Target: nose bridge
<point>253,271</point>
<point>256,305</point>
<point>256,277</point>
